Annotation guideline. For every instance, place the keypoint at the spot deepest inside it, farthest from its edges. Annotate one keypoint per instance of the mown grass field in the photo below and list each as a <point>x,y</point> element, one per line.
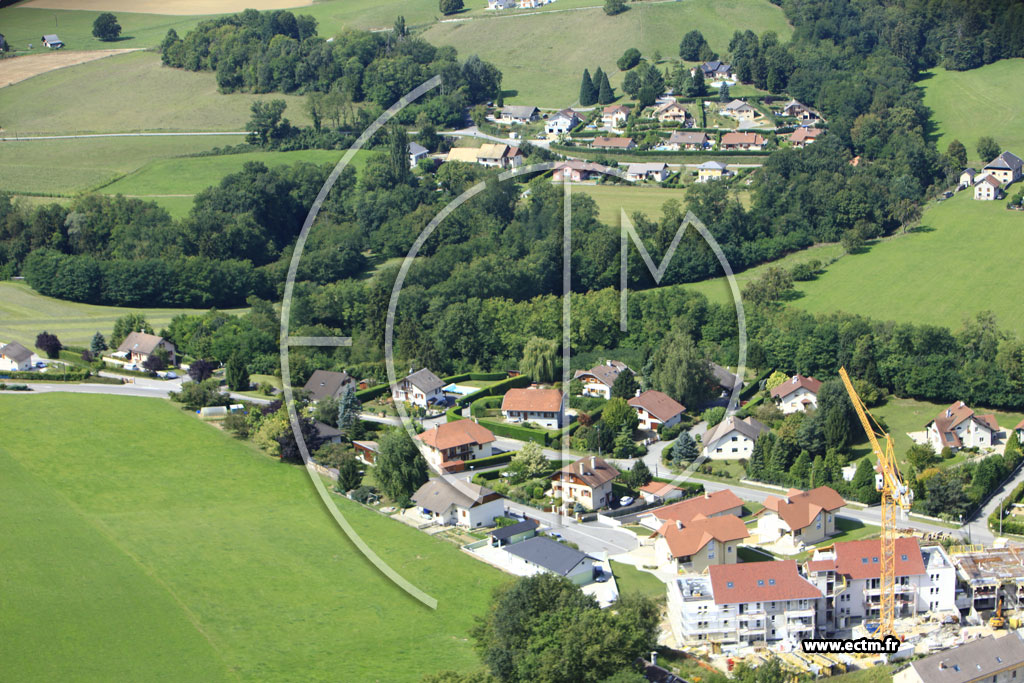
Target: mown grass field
<point>140,542</point>
<point>70,166</point>
<point>544,57</point>
<point>964,258</point>
<point>611,199</point>
<point>969,104</point>
<point>189,175</point>
<point>23,25</point>
<point>129,93</point>
<point>24,313</point>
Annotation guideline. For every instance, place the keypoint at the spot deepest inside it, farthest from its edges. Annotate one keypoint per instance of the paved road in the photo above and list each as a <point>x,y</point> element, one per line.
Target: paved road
<point>139,386</point>
<point>590,537</point>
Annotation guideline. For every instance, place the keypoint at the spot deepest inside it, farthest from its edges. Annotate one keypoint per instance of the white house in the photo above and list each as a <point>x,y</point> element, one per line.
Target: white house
<point>416,153</point>
<point>501,4</point>
<point>733,438</point>
<point>514,113</point>
<point>139,346</point>
<point>656,409</point>
<point>15,358</point>
<point>799,111</point>
<point>998,658</point>
<point>802,517</point>
<point>959,427</point>
<point>656,171</point>
<point>704,542</point>
<point>1006,168</point>
<point>598,380</point>
<point>540,406</point>
<point>577,171</point>
<point>615,115</point>
<point>541,554</point>
<point>456,441</point>
<point>740,110</point>
<point>459,503</point>
<point>51,41</point>
<point>562,122</point>
<point>744,603</point>
<point>420,388</point>
<point>988,189</point>
<point>849,576</point>
<point>797,394</point>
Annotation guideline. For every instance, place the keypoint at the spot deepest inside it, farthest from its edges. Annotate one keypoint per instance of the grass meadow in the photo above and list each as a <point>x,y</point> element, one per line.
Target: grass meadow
<point>129,93</point>
<point>964,258</point>
<point>24,313</point>
<point>647,199</point>
<point>546,53</point>
<point>969,104</point>
<point>140,540</point>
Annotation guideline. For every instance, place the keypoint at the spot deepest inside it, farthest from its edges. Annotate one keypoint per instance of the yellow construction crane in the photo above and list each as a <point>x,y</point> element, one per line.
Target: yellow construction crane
<point>895,493</point>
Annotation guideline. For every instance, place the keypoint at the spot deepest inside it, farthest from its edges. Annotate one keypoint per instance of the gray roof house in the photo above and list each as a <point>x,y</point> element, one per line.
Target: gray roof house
<point>984,659</point>
<point>326,384</point>
<point>140,345</point>
<point>725,379</point>
<point>16,352</point>
<point>1007,161</point>
<point>515,112</point>
<point>51,40</point>
<point>543,553</point>
<point>425,381</point>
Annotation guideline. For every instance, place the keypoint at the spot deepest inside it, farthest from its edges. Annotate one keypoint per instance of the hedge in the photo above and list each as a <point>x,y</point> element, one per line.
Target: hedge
<point>754,386</point>
<point>499,459</point>
<point>478,407</point>
<point>495,389</point>
<point>373,392</point>
<point>661,154</point>
<point>694,486</point>
<point>512,431</point>
<point>73,375</point>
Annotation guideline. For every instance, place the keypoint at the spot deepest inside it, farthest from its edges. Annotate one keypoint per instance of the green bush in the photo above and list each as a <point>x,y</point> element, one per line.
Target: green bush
<point>498,389</point>
<point>519,432</point>
<point>70,375</point>
<point>491,461</point>
<point>480,406</point>
<point>14,387</point>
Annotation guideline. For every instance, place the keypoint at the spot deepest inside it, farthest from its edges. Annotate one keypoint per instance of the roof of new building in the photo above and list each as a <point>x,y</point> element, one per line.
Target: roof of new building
<point>532,400</point>
<point>687,138</point>
<point>793,104</point>
<point>140,342</point>
<point>438,495</point>
<point>454,434</point>
<point>796,382</point>
<point>425,381</point>
<point>799,508</point>
<point>551,555</point>
<point>713,165</point>
<point>15,352</point>
<point>707,505</point>
<point>417,148</point>
<point>661,406</point>
<point>748,427</point>
<point>863,559</point>
<point>957,413</point>
<point>565,114</point>
<point>974,661</point>
<point>1007,161</point>
<point>519,111</point>
<point>687,540</point>
<point>602,141</point>
<point>466,154</point>
<point>759,582</point>
<point>51,38</point>
<point>744,138</point>
<point>605,373</point>
<point>591,470</point>
<point>326,383</point>
<point>507,532</point>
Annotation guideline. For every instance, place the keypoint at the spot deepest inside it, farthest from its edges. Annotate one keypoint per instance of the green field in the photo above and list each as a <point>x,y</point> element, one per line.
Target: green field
<point>24,313</point>
<point>189,175</point>
<point>70,166</point>
<point>141,543</point>
<point>963,259</point>
<point>631,198</point>
<point>128,93</point>
<point>969,104</point>
<point>544,57</point>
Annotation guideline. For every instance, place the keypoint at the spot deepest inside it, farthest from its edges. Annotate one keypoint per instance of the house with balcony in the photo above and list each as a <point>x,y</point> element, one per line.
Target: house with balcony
<point>455,442</point>
<point>419,388</point>
<point>598,380</point>
<point>801,517</point>
<point>588,481</point>
<point>747,603</point>
<point>733,438</point>
<point>703,542</point>
<point>797,394</point>
<point>655,409</point>
<point>849,576</point>
<point>959,427</point>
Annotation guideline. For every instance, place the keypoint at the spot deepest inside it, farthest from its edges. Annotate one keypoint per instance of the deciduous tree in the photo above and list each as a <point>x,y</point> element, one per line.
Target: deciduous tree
<point>401,468</point>
<point>105,27</point>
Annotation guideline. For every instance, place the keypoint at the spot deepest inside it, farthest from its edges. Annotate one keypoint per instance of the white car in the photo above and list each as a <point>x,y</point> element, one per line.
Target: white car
<point>625,500</point>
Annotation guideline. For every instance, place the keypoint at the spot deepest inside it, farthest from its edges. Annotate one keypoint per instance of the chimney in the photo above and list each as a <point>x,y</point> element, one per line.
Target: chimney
<point>593,462</point>
<point>949,413</point>
<point>654,658</point>
<point>582,471</point>
<point>637,393</point>
<point>679,525</point>
<point>795,380</point>
<point>707,494</point>
<point>609,363</point>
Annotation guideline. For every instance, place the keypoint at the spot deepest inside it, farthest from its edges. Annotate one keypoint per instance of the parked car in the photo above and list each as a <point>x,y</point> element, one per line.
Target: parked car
<point>171,375</point>
<point>600,576</point>
<point>40,364</point>
<point>625,500</point>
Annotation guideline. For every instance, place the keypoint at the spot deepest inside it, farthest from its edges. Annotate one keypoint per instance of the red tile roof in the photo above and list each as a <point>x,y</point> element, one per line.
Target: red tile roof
<point>533,400</point>
<point>591,470</point>
<point>742,139</point>
<point>688,540</point>
<point>659,488</point>
<point>612,143</point>
<point>863,559</point>
<point>708,505</point>
<point>661,406</point>
<point>803,134</point>
<point>950,418</point>
<point>796,382</point>
<point>759,582</point>
<point>454,434</point>
<point>798,509</point>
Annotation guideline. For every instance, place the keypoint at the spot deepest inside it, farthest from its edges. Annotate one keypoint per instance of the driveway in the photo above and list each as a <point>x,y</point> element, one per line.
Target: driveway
<point>591,537</point>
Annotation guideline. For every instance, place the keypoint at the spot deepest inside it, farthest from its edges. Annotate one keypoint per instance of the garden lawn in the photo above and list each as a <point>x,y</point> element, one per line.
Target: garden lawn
<point>129,93</point>
<point>190,175</point>
<point>24,313</point>
<point>963,259</point>
<point>969,104</point>
<point>632,580</point>
<point>646,199</point>
<point>543,62</point>
<point>141,540</point>
<point>71,166</point>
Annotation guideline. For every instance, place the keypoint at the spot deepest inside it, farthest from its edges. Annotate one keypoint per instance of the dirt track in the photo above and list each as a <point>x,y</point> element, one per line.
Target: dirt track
<point>175,7</point>
<point>16,69</point>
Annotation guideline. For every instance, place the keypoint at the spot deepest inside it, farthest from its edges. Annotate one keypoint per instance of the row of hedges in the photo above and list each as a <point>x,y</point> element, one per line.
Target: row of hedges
<point>498,389</point>
<point>479,407</point>
<point>491,461</point>
<point>660,154</point>
<point>71,375</point>
<point>514,431</point>
<point>754,386</point>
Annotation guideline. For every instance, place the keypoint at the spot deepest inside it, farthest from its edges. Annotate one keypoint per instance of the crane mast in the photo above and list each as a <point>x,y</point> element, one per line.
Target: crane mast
<point>895,494</point>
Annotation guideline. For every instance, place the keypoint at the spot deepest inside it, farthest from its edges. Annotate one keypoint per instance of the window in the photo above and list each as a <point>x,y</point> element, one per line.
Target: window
<point>903,557</point>
<point>874,560</point>
<point>728,549</point>
<point>729,584</point>
<point>864,560</point>
<point>760,582</point>
<point>771,582</point>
